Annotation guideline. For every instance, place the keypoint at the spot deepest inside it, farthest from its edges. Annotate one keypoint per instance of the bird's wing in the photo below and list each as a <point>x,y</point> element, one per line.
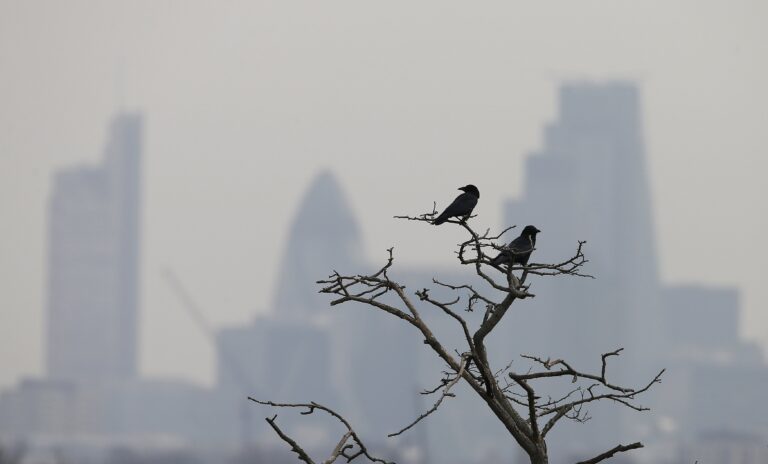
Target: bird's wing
<point>521,244</point>
<point>501,258</point>
<point>463,204</point>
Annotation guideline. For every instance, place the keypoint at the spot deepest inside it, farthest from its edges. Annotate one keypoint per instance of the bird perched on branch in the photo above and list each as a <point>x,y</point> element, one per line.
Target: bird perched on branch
<point>462,206</point>
<point>519,249</point>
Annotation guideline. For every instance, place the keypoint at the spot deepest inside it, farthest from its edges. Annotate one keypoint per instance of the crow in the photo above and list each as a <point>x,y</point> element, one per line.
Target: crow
<point>520,249</point>
<point>462,206</point>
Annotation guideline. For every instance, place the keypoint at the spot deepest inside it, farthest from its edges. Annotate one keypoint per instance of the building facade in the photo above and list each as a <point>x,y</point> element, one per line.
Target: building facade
<point>93,263</point>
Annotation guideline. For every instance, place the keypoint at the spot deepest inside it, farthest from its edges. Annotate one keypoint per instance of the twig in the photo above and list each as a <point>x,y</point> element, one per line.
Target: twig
<point>294,446</point>
<point>434,407</point>
<point>341,447</point>
<point>611,452</point>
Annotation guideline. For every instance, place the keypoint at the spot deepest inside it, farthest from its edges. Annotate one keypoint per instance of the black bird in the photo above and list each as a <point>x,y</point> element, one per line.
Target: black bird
<point>520,249</point>
<point>462,206</point>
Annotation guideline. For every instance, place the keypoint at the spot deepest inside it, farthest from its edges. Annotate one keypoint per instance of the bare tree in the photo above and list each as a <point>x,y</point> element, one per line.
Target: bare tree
<point>511,396</point>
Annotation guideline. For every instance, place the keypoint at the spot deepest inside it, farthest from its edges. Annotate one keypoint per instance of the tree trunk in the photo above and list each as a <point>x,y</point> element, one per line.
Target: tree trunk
<point>540,455</point>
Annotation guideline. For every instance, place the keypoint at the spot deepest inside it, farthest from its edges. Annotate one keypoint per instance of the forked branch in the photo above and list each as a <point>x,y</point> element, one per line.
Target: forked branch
<point>445,393</point>
<point>349,451</point>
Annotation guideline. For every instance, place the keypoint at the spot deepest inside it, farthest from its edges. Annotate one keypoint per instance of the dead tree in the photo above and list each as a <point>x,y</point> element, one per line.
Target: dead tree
<point>511,396</point>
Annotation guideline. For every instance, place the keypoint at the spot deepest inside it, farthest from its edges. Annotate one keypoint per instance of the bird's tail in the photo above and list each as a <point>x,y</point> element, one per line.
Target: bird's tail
<point>440,219</point>
<point>499,259</point>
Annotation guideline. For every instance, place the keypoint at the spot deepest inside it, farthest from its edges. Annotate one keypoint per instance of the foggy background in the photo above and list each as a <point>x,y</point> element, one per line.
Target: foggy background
<point>245,102</point>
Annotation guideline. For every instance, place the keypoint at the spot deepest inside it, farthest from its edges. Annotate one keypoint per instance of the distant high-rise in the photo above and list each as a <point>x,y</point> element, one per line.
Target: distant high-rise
<point>93,263</point>
<point>306,336</point>
<point>590,182</point>
<point>323,236</point>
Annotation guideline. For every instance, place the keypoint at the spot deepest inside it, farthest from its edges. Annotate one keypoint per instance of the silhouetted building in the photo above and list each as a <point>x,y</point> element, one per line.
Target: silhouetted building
<point>702,326</point>
<point>290,355</point>
<point>93,263</point>
<point>39,407</point>
<point>589,182</point>
<point>323,236</point>
<point>92,298</point>
<point>272,358</point>
<point>359,361</point>
<point>269,359</point>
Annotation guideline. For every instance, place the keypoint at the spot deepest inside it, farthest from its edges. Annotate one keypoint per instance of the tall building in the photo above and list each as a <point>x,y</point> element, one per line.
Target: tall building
<point>93,263</point>
<point>360,361</point>
<point>590,182</point>
<point>323,236</point>
<point>289,355</point>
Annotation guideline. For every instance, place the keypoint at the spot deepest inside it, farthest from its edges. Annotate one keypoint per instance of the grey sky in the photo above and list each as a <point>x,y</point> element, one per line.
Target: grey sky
<point>405,101</point>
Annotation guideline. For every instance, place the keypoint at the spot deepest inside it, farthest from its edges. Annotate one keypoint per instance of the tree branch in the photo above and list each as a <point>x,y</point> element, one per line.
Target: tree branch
<point>531,405</point>
<point>611,452</point>
<point>341,448</point>
<point>294,446</point>
<point>434,407</point>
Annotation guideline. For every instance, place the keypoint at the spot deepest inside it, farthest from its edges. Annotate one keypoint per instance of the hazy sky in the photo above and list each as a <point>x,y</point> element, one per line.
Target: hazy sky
<point>246,101</point>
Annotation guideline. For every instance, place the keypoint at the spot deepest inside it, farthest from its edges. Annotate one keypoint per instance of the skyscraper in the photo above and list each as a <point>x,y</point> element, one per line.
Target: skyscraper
<point>345,352</point>
<point>93,269</point>
<point>323,236</point>
<point>589,182</point>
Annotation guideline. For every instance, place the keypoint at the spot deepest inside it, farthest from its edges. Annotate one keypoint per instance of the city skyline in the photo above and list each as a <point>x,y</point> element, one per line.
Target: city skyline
<point>239,118</point>
<point>587,178</point>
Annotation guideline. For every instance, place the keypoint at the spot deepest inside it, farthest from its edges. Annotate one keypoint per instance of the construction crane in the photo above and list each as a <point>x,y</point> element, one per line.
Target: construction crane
<point>229,361</point>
